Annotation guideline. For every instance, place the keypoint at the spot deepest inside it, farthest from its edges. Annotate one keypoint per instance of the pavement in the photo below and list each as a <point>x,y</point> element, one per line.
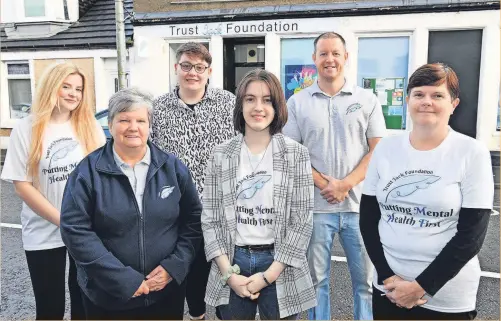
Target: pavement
<point>17,301</point>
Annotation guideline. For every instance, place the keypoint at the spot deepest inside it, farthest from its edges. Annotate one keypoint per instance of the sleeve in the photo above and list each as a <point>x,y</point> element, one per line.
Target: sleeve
<point>212,215</point>
<point>477,184</point>
<point>464,245</point>
<point>106,271</point>
<point>189,237</point>
<point>291,128</point>
<point>292,249</point>
<point>377,124</point>
<point>16,160</point>
<point>154,135</point>
<point>230,108</point>
<point>477,190</point>
<point>372,175</point>
<point>370,214</point>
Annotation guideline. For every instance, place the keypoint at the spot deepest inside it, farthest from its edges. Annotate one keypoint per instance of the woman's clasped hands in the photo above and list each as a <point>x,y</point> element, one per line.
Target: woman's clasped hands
<point>247,287</point>
<point>155,281</point>
<point>405,294</point>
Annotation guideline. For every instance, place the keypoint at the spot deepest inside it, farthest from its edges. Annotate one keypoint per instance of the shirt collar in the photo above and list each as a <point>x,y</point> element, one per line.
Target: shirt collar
<point>145,160</point>
<point>315,89</point>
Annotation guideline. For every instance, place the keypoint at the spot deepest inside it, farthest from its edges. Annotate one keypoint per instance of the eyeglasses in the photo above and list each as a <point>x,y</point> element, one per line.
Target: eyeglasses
<point>199,68</point>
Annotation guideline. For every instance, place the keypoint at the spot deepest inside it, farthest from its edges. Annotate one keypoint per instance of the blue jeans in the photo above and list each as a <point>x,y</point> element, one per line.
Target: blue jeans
<point>325,225</point>
<point>252,262</point>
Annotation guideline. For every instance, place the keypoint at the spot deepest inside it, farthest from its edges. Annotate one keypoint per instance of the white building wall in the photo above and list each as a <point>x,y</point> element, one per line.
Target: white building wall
<point>417,26</point>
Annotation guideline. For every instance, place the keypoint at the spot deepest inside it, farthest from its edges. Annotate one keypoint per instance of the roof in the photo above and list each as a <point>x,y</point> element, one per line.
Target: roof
<point>94,30</point>
<point>84,5</point>
<point>308,10</point>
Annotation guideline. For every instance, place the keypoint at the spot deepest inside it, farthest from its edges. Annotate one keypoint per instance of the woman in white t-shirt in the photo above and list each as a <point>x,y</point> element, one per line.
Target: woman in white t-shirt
<point>425,208</point>
<point>44,147</point>
<point>257,217</point>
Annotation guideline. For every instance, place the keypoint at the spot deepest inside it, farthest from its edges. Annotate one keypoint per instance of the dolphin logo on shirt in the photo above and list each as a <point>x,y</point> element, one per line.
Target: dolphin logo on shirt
<point>250,186</point>
<point>165,192</point>
<point>64,149</point>
<point>353,108</point>
<point>411,185</point>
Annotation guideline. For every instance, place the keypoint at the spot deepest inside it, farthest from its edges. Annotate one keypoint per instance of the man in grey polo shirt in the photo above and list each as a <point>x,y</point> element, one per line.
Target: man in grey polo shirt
<point>340,124</point>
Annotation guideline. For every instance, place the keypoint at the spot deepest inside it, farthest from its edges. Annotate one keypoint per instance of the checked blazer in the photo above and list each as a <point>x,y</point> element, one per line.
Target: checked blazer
<point>293,204</point>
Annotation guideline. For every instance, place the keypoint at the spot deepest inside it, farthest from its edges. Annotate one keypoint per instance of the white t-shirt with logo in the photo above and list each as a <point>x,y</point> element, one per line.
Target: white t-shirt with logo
<point>420,194</point>
<point>61,152</point>
<point>254,206</point>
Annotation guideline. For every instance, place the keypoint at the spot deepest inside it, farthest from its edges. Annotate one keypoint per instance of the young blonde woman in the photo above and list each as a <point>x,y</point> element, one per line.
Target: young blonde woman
<point>44,148</point>
<point>258,207</point>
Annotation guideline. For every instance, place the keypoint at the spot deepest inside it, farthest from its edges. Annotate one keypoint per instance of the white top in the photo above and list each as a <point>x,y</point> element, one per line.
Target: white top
<point>61,152</point>
<point>420,194</point>
<point>254,206</point>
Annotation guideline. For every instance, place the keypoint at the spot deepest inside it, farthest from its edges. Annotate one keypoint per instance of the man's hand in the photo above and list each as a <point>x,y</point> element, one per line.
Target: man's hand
<point>256,283</point>
<point>336,191</point>
<point>143,289</point>
<point>158,279</point>
<point>405,294</point>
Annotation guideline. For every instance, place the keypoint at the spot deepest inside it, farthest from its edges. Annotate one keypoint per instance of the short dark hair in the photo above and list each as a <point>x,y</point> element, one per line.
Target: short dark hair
<point>328,35</point>
<point>194,49</point>
<point>277,100</point>
<point>435,74</point>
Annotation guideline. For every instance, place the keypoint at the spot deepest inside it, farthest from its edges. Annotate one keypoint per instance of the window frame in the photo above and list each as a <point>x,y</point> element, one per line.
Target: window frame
<point>34,17</point>
<point>393,34</point>
<point>302,36</point>
<point>5,111</point>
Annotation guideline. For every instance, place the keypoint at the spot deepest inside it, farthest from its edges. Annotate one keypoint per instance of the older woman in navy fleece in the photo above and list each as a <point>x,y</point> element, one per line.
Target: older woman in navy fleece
<point>131,220</point>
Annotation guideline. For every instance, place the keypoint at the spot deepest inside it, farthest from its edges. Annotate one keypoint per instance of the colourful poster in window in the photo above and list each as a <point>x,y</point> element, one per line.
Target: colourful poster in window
<point>390,94</point>
<point>298,77</point>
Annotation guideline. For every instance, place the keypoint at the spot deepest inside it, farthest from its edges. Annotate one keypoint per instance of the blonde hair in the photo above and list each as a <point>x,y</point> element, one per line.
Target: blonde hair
<point>46,100</point>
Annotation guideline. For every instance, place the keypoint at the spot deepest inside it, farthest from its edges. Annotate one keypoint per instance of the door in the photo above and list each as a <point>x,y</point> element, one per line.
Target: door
<point>461,50</point>
<point>241,55</point>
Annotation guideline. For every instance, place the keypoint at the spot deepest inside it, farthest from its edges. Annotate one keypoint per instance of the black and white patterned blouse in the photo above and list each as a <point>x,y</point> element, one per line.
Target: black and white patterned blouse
<point>191,134</point>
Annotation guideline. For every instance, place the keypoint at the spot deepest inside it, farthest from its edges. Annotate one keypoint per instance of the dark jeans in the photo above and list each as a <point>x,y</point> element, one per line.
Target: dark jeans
<point>252,262</point>
<point>47,273</point>
<point>384,309</point>
<point>170,307</point>
<point>196,283</point>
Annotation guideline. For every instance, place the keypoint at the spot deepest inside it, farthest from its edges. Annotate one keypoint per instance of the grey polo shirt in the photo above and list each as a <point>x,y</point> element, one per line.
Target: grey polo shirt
<point>137,174</point>
<point>335,131</point>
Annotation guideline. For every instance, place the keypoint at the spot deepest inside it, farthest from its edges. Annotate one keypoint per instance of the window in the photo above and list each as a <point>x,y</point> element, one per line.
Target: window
<point>34,8</point>
<point>383,69</point>
<point>19,83</point>
<point>297,70</point>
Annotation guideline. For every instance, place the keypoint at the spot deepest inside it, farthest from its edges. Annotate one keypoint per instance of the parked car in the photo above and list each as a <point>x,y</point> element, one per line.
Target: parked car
<point>102,118</point>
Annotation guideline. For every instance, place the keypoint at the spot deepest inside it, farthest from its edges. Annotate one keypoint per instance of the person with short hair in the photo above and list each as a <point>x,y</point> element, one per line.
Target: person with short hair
<point>425,208</point>
<point>257,217</point>
<point>189,122</point>
<point>130,217</point>
<point>44,148</point>
<point>340,124</point>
